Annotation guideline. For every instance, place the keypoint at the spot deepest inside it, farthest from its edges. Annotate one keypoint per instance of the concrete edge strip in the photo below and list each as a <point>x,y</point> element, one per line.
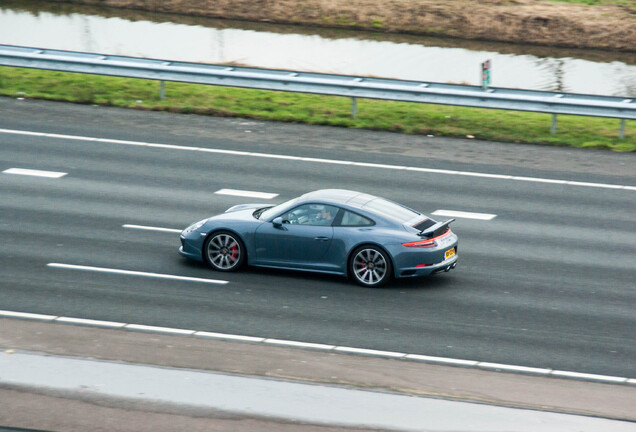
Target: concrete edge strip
<point>318,160</point>
<point>442,361</point>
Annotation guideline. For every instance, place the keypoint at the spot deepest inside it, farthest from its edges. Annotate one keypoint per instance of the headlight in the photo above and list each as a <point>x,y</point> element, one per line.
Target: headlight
<point>195,226</point>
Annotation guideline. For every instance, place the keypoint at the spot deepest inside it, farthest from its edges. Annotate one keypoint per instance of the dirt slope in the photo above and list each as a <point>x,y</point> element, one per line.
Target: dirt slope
<point>606,26</point>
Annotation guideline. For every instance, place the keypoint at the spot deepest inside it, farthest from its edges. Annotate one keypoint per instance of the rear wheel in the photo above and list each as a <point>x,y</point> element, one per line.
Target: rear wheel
<point>370,266</point>
<point>224,251</point>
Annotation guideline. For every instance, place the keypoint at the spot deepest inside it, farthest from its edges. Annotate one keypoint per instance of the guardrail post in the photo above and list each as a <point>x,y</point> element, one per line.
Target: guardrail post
<point>162,90</point>
<point>554,124</point>
<point>354,107</point>
<point>621,132</point>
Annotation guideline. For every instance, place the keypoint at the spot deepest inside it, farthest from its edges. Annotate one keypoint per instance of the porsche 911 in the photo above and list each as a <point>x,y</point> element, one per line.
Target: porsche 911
<point>366,238</point>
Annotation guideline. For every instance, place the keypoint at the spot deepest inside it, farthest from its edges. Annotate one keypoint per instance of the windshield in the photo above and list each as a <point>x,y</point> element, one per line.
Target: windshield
<point>273,211</point>
<point>391,210</point>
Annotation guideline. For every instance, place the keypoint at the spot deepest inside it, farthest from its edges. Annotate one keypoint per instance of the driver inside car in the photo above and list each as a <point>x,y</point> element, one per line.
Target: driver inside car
<point>323,217</point>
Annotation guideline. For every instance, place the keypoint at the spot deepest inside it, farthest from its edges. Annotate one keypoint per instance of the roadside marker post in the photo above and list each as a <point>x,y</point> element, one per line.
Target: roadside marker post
<point>621,131</point>
<point>485,75</point>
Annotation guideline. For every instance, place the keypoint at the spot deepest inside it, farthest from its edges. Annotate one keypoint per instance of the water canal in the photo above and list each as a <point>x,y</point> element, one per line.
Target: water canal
<point>179,38</point>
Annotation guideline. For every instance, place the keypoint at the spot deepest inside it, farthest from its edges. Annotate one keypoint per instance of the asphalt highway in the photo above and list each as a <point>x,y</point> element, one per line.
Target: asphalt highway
<point>549,281</point>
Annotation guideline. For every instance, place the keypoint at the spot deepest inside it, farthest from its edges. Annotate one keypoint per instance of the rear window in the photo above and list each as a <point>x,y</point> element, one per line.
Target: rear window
<point>391,210</point>
<point>354,219</point>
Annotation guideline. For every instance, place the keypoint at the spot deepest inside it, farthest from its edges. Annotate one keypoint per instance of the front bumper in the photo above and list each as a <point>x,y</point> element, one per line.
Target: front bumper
<point>191,248</point>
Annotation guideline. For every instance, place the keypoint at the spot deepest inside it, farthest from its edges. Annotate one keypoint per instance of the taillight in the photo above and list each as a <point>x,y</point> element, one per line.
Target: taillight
<point>428,242</point>
<point>420,244</point>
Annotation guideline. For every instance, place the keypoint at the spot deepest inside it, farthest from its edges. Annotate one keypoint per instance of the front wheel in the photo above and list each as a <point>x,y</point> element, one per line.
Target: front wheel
<point>224,251</point>
<point>370,266</point>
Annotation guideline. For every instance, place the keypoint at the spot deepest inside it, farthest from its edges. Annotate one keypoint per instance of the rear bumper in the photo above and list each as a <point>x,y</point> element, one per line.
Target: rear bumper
<point>444,266</point>
<point>414,261</point>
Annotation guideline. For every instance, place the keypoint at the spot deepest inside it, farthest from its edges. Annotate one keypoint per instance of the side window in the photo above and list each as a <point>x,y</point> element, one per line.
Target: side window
<point>311,214</point>
<point>354,219</point>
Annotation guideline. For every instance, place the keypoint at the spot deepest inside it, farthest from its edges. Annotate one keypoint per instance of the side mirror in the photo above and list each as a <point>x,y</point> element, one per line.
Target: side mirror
<point>278,222</point>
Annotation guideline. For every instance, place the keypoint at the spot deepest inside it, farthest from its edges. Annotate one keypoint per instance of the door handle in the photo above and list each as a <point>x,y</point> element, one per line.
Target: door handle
<point>321,238</point>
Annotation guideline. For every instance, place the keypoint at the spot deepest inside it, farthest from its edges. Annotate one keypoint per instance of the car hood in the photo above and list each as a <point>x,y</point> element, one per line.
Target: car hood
<point>235,215</point>
<point>247,207</point>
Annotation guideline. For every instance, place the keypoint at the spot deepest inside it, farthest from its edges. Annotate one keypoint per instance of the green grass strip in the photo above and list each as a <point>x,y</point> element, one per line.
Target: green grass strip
<point>403,117</point>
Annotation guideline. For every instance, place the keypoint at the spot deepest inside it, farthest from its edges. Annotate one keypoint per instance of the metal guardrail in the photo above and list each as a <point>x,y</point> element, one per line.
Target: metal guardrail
<point>325,84</point>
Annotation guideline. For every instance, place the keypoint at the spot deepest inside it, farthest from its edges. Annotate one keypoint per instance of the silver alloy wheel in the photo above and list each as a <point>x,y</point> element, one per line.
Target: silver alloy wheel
<point>224,252</point>
<point>370,267</point>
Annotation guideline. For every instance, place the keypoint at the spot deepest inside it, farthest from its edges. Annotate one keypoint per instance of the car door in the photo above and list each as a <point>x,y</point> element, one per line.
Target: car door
<point>301,238</point>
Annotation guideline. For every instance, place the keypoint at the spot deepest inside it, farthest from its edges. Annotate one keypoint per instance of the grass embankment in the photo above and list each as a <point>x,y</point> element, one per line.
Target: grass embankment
<point>411,118</point>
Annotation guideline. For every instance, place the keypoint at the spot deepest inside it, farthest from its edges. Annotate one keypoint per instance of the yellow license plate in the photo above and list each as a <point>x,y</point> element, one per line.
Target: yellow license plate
<point>449,253</point>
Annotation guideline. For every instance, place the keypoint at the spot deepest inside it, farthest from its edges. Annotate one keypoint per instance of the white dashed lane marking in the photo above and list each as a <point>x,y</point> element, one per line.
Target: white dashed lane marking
<point>151,228</point>
<point>320,160</point>
<point>34,173</point>
<point>465,215</point>
<point>244,193</point>
<point>135,273</point>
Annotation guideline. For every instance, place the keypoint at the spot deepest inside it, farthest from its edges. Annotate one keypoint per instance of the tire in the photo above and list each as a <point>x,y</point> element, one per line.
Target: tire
<point>370,266</point>
<point>224,251</point>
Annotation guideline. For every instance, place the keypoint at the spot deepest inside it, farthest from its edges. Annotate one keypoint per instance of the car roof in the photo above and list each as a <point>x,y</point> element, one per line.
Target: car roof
<point>340,196</point>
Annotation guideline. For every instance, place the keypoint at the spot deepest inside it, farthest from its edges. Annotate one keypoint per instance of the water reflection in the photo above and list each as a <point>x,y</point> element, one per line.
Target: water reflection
<point>408,58</point>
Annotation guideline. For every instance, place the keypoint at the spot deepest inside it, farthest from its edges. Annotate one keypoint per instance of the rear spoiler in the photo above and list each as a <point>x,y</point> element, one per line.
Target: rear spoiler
<point>435,230</point>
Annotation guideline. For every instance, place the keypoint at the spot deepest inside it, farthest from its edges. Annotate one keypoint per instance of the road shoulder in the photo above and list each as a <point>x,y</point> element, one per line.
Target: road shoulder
<point>309,366</point>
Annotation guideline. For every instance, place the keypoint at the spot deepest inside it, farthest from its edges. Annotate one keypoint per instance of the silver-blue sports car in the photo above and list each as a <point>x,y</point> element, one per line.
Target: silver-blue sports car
<point>367,238</point>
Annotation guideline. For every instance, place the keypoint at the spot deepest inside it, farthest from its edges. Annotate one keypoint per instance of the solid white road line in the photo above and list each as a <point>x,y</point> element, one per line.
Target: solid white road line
<point>329,161</point>
<point>465,215</point>
<point>135,273</point>
<point>370,352</point>
<point>27,315</point>
<point>247,194</point>
<point>499,366</point>
<point>34,173</point>
<point>90,322</point>
<point>224,336</point>
<point>592,377</point>
<point>348,350</point>
<point>155,329</point>
<point>151,228</point>
<point>281,342</point>
<point>442,360</point>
